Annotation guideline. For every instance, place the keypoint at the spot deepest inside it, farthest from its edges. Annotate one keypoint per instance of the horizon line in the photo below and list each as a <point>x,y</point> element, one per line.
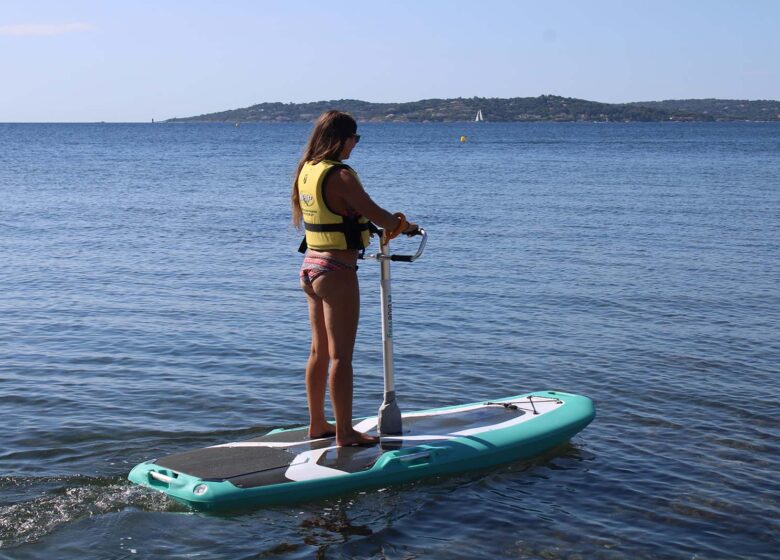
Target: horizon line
<point>163,120</point>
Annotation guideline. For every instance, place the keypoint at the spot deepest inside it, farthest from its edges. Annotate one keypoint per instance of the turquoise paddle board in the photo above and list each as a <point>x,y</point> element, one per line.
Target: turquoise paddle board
<point>285,466</point>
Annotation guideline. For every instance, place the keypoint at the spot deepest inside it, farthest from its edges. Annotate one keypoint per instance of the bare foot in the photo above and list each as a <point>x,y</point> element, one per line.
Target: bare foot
<point>323,430</point>
<point>356,438</point>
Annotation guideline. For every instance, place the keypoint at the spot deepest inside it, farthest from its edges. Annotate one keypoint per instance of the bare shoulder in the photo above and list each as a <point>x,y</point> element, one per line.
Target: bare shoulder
<point>342,182</point>
<point>347,179</point>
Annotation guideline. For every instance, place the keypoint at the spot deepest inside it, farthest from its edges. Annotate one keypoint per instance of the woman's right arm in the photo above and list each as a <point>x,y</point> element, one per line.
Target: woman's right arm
<point>345,191</point>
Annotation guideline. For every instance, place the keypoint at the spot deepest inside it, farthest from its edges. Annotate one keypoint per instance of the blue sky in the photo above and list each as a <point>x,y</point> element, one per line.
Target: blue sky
<point>116,60</point>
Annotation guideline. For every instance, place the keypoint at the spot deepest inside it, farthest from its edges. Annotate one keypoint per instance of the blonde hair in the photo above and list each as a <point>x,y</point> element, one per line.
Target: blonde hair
<point>331,131</point>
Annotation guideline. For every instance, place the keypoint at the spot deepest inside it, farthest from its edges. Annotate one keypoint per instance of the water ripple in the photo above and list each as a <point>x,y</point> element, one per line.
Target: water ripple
<point>150,305</point>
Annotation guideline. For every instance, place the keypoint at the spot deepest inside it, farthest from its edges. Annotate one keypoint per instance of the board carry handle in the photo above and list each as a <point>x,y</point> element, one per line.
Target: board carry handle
<point>412,460</point>
<point>161,477</point>
<point>414,456</point>
<point>171,481</point>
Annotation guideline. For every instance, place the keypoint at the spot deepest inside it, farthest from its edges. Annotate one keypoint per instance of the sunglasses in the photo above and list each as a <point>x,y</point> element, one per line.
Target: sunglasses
<point>357,138</point>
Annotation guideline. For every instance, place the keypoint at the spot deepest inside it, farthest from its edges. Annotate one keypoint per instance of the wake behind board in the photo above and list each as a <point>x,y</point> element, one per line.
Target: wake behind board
<point>285,466</point>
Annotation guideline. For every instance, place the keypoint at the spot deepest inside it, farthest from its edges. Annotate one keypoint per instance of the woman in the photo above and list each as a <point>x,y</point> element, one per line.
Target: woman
<point>328,198</point>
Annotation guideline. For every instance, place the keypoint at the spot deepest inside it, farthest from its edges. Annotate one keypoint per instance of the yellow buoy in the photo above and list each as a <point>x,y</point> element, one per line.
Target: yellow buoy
<point>463,138</point>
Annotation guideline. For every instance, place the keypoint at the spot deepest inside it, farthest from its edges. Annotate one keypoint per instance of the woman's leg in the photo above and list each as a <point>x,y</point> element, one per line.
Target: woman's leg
<point>340,297</point>
<point>317,367</point>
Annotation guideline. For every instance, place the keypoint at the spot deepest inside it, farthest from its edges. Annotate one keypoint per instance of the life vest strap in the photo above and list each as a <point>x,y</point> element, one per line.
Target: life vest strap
<point>347,228</point>
<point>342,227</point>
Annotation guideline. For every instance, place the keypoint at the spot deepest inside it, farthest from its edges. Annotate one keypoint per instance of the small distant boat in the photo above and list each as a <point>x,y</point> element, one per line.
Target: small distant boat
<point>238,124</point>
<point>479,117</point>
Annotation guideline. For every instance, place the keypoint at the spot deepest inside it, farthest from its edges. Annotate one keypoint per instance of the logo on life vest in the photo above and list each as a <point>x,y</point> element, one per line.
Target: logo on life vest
<point>307,199</point>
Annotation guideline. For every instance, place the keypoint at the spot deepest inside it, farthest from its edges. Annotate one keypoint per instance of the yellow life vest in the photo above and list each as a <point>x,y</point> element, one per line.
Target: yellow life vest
<point>325,229</point>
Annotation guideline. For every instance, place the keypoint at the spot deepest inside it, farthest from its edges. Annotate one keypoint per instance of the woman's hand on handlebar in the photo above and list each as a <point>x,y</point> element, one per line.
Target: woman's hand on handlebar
<point>411,229</point>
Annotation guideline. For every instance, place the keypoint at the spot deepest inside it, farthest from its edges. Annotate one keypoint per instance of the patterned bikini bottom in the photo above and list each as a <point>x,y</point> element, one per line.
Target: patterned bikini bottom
<point>315,266</point>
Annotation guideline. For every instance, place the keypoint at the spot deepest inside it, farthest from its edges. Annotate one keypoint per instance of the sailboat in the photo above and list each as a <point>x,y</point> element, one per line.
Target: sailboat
<point>479,117</point>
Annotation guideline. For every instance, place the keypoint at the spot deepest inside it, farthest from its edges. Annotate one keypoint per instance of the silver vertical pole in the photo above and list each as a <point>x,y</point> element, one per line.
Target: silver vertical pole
<point>389,420</point>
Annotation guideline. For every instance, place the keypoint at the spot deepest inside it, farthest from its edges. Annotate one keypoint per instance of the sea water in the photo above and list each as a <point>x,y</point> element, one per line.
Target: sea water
<point>149,304</point>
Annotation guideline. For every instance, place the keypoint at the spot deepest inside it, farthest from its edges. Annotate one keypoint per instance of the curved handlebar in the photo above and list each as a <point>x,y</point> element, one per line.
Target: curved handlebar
<point>403,258</point>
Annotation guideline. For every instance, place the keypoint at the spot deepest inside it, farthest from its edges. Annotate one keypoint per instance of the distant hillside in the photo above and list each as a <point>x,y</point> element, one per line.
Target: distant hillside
<point>515,109</point>
<point>719,109</point>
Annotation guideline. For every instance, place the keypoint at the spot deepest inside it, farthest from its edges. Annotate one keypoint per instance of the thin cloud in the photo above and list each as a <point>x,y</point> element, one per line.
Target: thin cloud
<point>44,29</point>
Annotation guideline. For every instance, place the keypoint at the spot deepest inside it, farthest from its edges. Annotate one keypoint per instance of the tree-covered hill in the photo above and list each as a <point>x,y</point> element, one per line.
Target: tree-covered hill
<point>720,109</point>
<point>515,109</point>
